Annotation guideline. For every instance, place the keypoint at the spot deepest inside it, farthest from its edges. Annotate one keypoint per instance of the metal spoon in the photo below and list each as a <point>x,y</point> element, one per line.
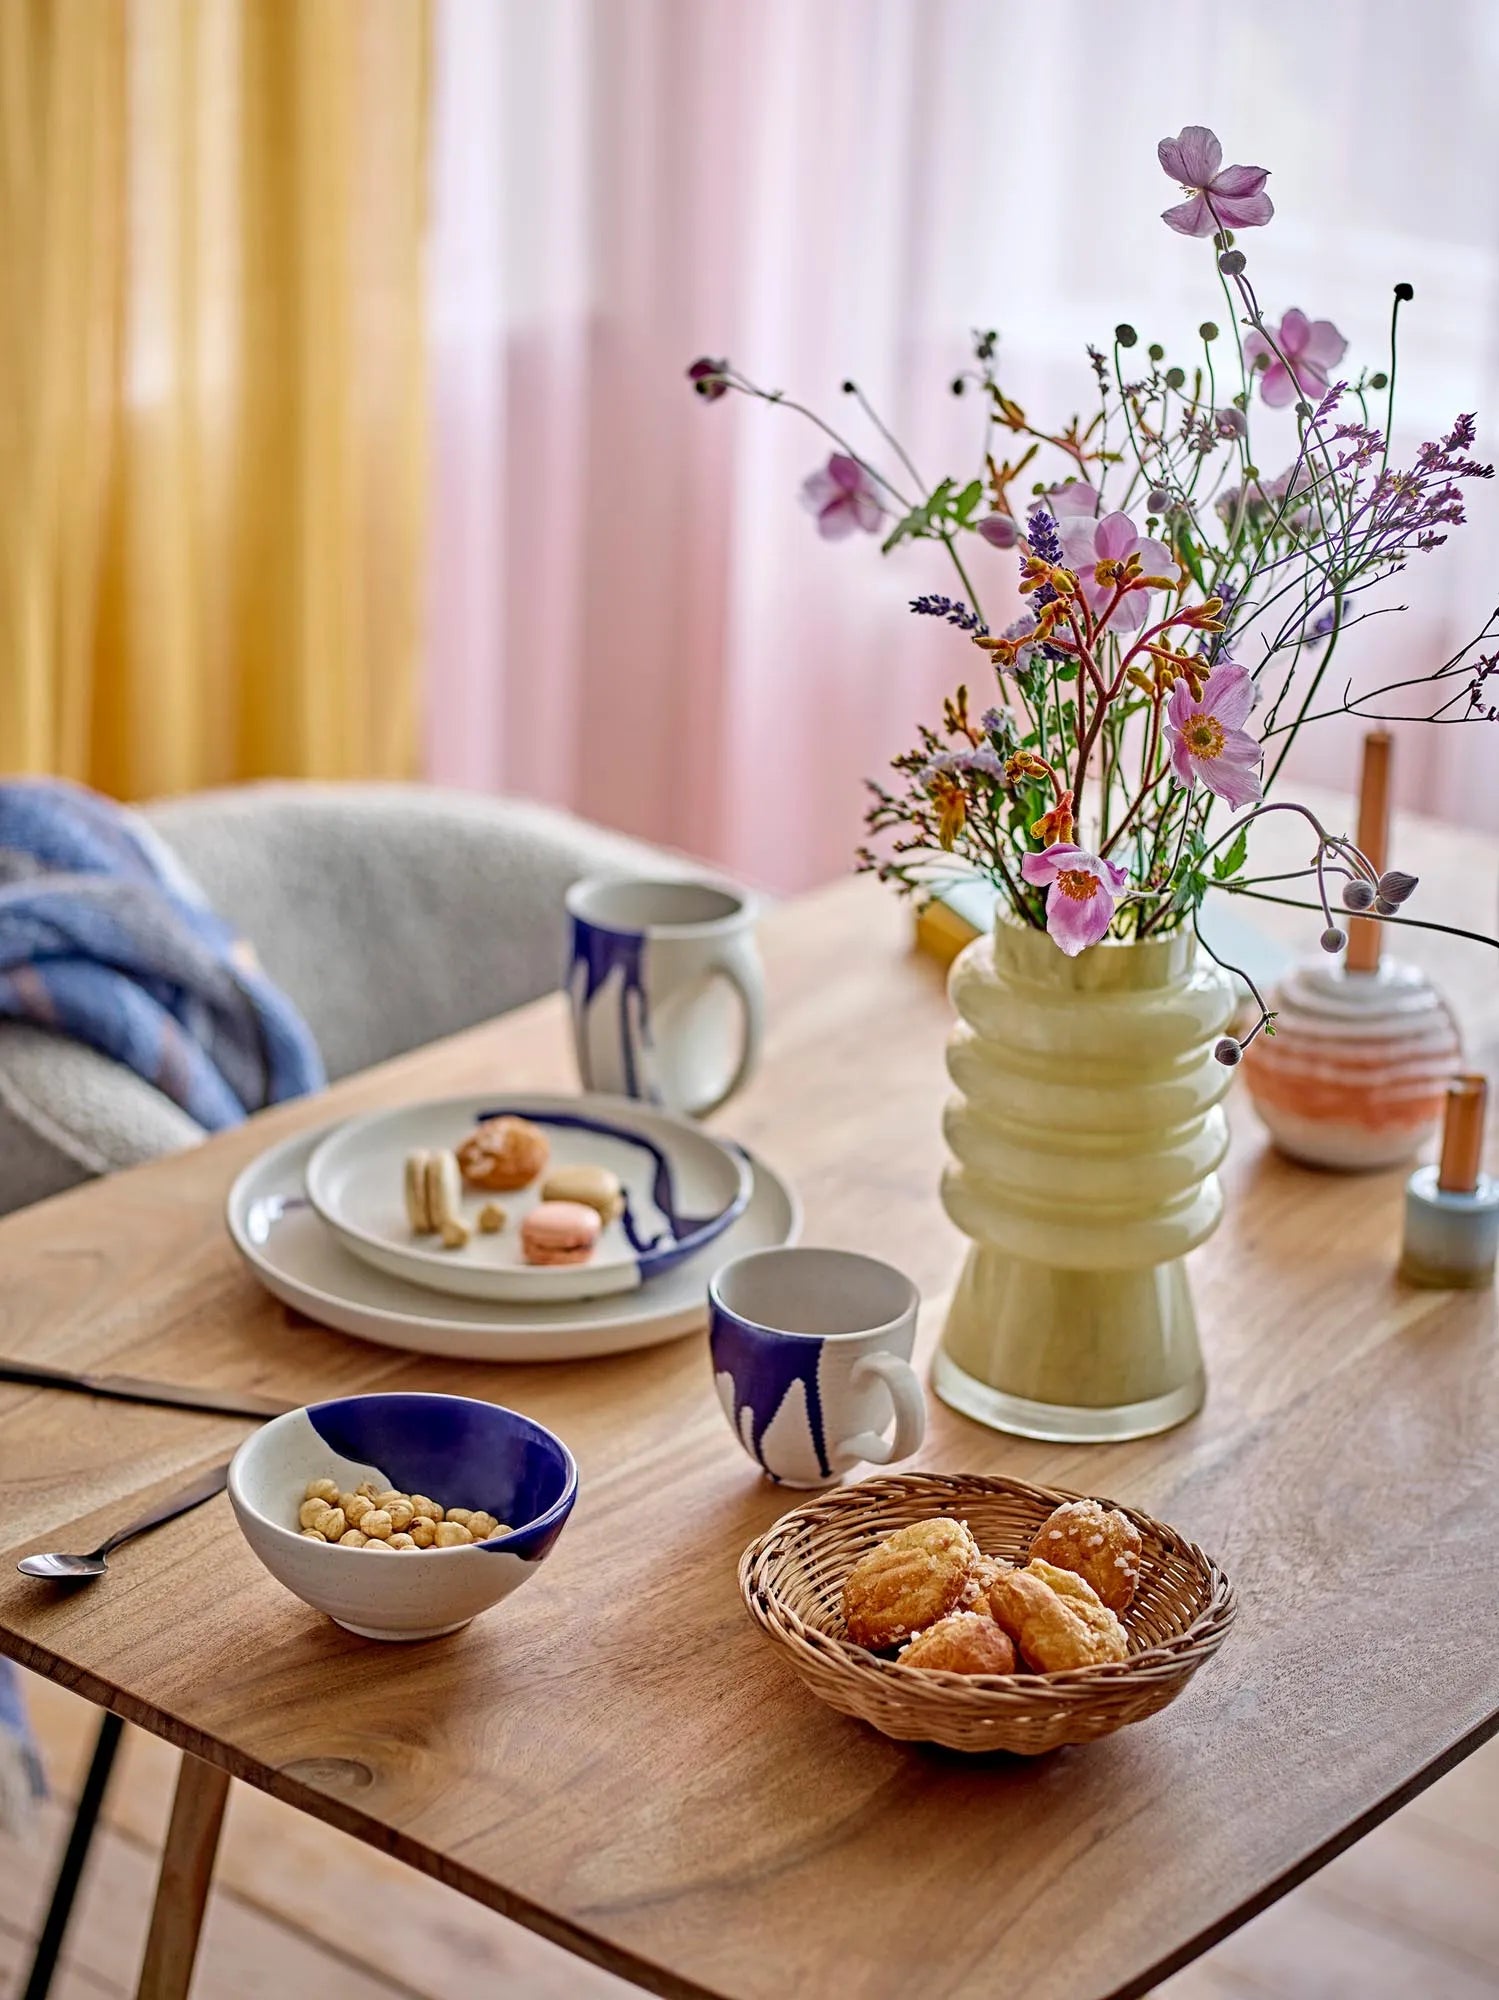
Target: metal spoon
<point>57,1566</point>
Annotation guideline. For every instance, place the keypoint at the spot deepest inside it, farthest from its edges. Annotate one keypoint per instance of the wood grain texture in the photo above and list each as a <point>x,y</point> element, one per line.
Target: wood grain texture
<point>614,1757</point>
<point>187,1859</point>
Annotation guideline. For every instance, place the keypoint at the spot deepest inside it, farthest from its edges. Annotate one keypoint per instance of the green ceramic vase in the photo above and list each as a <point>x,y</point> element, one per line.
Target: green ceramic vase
<point>1086,1133</point>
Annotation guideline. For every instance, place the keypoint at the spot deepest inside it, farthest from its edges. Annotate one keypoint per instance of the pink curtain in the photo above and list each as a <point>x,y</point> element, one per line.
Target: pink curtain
<point>629,613</point>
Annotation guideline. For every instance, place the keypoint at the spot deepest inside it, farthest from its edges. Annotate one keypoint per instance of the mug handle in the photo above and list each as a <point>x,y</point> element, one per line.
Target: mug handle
<point>910,1413</point>
<point>752,1001</point>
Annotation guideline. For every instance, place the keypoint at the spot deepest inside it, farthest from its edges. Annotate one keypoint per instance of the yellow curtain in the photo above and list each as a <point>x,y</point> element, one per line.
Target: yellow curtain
<point>211,396</point>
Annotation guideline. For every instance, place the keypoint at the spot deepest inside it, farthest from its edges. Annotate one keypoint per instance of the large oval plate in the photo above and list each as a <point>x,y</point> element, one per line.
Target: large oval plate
<point>303,1264</point>
<point>682,1189</point>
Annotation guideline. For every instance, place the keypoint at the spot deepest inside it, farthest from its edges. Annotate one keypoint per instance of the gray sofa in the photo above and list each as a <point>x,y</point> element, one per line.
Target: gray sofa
<point>391,915</point>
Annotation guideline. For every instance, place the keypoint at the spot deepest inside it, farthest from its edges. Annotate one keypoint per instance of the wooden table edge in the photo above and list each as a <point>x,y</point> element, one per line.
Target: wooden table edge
<point>1311,1863</point>
<point>643,1972</point>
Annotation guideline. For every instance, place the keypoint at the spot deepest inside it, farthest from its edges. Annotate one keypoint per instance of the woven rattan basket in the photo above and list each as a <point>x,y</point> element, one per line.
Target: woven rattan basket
<point>791,1580</point>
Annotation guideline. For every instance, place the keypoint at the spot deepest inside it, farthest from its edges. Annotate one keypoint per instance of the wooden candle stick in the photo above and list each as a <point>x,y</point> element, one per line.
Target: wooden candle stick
<point>1364,940</point>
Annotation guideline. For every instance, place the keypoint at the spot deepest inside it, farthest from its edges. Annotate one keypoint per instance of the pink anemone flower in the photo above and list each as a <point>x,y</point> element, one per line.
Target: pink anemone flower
<point>1086,543</point>
<point>1221,197</point>
<point>1311,347</point>
<point>1209,744</point>
<point>1082,895</point>
<point>843,497</point>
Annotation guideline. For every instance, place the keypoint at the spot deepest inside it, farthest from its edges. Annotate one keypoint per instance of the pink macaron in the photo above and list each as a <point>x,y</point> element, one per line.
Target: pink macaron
<point>560,1232</point>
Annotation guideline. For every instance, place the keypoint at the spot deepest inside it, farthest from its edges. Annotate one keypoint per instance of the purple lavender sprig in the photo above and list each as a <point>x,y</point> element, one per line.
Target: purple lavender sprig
<point>953,609</point>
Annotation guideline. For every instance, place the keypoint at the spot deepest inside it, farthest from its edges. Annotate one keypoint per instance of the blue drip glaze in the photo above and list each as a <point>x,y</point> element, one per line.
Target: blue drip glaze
<point>763,1367</point>
<point>477,1455</point>
<point>600,953</point>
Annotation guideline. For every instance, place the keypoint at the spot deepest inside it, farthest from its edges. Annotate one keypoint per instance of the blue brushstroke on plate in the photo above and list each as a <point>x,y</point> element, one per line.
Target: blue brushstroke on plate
<point>684,1235</point>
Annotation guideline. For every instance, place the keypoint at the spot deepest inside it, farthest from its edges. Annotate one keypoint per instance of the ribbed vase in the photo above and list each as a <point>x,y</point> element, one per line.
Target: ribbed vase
<point>1355,1074</point>
<point>1086,1134</point>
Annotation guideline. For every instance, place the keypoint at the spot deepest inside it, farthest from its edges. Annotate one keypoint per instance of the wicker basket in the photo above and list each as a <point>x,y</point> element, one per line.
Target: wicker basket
<point>791,1580</point>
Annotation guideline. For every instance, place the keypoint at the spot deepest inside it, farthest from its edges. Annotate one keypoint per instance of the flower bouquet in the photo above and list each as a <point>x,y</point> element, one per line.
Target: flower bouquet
<point>1184,606</point>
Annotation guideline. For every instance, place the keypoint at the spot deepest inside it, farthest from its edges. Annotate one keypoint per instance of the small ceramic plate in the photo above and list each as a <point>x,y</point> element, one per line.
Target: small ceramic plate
<point>304,1265</point>
<point>682,1188</point>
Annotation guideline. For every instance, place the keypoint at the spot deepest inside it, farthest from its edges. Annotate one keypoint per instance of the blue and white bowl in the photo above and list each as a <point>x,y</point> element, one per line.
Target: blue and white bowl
<point>459,1452</point>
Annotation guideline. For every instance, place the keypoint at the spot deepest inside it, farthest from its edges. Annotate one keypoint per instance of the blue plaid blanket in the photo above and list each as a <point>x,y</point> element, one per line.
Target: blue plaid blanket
<point>104,938</point>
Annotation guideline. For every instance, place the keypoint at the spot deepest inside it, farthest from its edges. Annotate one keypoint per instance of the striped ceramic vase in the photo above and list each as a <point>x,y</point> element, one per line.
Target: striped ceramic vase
<point>1085,1133</point>
<point>1354,1076</point>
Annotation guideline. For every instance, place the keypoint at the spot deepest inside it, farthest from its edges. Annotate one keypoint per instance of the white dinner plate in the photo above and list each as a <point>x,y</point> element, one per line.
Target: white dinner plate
<point>304,1265</point>
<point>682,1186</point>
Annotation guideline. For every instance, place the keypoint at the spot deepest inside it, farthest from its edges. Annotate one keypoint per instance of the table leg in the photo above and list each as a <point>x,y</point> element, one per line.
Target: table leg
<point>182,1887</point>
<point>75,1856</point>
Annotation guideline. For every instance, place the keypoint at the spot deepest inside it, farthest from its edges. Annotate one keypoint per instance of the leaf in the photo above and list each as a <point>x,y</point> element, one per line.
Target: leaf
<point>1187,552</point>
<point>967,500</point>
<point>921,519</point>
<point>1230,863</point>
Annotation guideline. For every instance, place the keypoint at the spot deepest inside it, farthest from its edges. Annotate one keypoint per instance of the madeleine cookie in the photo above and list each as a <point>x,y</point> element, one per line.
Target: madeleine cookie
<point>1056,1618</point>
<point>907,1582</point>
<point>595,1187</point>
<point>964,1642</point>
<point>503,1154</point>
<point>1095,1542</point>
<point>559,1232</point>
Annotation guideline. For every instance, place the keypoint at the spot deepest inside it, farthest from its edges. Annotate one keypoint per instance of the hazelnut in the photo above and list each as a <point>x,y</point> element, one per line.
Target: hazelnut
<point>376,1524</point>
<point>452,1535</point>
<point>482,1526</point>
<point>368,1488</point>
<point>400,1542</point>
<point>461,1514</point>
<point>423,1532</point>
<point>455,1234</point>
<point>356,1506</point>
<point>420,1505</point>
<point>491,1218</point>
<point>312,1534</point>
<point>311,1512</point>
<point>375,1547</point>
<point>352,1539</point>
<point>322,1489</point>
<point>332,1523</point>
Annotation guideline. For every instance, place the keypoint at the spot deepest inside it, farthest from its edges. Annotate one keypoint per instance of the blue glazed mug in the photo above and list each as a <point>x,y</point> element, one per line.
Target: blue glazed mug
<point>666,990</point>
<point>812,1357</point>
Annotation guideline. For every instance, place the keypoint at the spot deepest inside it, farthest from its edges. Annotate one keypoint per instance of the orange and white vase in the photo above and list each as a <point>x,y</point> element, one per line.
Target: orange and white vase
<point>1353,1077</point>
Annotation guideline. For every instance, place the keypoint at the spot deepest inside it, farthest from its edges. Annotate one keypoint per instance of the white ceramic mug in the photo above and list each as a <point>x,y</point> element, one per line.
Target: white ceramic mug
<point>812,1357</point>
<point>666,989</point>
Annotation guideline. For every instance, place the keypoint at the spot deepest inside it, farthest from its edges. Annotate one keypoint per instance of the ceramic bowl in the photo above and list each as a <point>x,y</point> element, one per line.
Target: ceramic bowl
<point>460,1452</point>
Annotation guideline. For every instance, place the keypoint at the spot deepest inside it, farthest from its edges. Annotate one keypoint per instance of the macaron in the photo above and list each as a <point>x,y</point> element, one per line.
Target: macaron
<point>417,1212</point>
<point>594,1186</point>
<point>560,1232</point>
<point>443,1187</point>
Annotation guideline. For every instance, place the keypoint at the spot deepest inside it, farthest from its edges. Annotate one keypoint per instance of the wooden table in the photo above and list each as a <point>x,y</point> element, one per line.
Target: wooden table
<point>615,1758</point>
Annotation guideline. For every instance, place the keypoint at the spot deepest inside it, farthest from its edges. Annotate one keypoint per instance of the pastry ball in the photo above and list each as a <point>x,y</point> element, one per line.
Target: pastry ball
<point>964,1642</point>
<point>559,1232</point>
<point>503,1154</point>
<point>908,1581</point>
<point>1095,1542</point>
<point>976,1589</point>
<point>1056,1619</point>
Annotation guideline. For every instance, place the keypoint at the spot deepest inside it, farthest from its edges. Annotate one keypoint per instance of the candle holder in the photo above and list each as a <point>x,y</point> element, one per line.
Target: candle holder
<point>1355,1074</point>
<point>1452,1208</point>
